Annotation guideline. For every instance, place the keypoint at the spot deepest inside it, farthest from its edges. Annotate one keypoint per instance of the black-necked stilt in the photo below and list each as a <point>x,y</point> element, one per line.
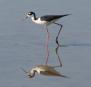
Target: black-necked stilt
<point>47,20</point>
<point>44,70</point>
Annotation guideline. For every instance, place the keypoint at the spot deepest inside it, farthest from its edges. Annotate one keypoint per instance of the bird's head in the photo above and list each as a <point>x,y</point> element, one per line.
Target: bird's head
<point>28,14</point>
<point>30,73</point>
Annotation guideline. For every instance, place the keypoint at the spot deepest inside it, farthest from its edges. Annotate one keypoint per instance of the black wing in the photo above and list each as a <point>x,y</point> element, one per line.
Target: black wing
<point>52,17</point>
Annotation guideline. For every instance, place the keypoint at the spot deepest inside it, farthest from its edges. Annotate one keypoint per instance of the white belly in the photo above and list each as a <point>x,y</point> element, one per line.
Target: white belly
<point>38,21</point>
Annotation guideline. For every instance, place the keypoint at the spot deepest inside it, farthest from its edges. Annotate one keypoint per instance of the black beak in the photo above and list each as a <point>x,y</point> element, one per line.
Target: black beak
<point>25,18</point>
<point>23,70</point>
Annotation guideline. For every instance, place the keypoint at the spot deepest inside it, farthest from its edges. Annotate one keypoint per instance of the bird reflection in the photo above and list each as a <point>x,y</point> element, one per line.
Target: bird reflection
<point>46,70</point>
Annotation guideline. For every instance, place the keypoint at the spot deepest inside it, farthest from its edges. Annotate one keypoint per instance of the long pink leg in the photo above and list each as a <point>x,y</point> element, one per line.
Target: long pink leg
<point>46,45</point>
<point>58,33</point>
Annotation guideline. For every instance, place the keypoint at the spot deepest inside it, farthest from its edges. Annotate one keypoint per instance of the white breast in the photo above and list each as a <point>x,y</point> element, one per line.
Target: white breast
<point>38,21</point>
<point>37,69</point>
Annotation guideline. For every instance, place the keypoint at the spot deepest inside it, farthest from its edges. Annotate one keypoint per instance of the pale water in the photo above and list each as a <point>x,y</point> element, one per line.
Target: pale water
<point>22,43</point>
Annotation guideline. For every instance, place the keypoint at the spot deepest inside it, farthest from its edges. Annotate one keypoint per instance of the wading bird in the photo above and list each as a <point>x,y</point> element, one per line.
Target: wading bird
<point>46,70</point>
<point>47,20</point>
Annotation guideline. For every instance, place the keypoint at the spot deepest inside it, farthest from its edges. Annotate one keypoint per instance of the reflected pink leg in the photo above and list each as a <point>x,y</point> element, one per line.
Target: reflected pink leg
<point>59,59</point>
<point>46,45</point>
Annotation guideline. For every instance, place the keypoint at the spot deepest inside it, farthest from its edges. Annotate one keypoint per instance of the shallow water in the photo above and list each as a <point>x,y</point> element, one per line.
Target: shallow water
<point>22,43</point>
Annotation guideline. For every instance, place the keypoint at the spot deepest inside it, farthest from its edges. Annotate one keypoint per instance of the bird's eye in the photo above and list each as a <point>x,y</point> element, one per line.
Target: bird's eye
<point>29,13</point>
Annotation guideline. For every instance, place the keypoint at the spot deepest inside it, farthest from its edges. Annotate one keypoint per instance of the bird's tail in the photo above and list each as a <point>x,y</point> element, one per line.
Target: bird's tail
<point>64,76</point>
<point>65,15</point>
